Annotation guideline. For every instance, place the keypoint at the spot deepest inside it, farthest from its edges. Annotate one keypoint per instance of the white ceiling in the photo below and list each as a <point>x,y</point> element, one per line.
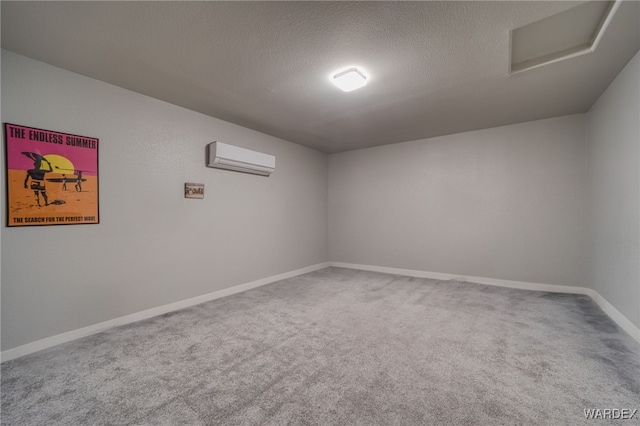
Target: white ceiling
<point>436,67</point>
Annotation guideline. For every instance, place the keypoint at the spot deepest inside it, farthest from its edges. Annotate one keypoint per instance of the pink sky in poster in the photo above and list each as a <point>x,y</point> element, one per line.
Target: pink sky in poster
<point>81,151</point>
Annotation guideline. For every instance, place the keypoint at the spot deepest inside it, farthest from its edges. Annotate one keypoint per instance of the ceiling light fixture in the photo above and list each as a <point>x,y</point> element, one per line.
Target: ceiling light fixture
<point>349,79</point>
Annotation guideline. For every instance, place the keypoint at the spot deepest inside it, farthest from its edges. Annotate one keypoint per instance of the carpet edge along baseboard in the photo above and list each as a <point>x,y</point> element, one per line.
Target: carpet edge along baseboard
<point>79,333</point>
<point>620,319</point>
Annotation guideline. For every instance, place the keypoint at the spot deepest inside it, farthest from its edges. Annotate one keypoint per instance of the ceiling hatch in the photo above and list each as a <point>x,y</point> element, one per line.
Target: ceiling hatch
<point>568,34</point>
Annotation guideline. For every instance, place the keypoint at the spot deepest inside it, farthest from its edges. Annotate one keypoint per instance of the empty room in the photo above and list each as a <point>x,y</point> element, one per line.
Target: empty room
<point>320,213</point>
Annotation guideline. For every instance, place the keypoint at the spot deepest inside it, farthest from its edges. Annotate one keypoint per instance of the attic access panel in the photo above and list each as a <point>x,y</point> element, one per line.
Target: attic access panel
<point>571,33</point>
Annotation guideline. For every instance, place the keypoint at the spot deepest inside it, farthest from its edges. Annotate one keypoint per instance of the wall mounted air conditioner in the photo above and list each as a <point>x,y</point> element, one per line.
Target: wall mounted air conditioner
<point>229,157</point>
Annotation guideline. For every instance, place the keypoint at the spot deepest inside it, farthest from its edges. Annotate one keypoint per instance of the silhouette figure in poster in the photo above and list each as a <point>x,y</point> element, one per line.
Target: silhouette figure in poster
<point>79,181</point>
<point>65,179</point>
<point>37,176</point>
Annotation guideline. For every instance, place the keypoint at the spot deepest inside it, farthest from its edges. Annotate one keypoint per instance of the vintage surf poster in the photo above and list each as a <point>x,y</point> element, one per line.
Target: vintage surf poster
<point>52,177</point>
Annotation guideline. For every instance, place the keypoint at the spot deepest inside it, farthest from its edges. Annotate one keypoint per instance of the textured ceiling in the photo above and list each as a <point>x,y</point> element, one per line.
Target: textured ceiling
<point>436,67</point>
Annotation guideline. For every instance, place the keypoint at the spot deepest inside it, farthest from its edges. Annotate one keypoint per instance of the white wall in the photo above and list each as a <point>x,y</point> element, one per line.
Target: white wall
<point>152,246</point>
<point>506,203</point>
<point>614,192</point>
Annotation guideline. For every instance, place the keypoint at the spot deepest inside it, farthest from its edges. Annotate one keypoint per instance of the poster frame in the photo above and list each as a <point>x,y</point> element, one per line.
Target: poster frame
<point>12,197</point>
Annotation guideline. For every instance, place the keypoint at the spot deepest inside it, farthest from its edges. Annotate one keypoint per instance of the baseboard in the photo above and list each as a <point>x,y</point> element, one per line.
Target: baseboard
<point>613,313</point>
<point>617,316</point>
<point>68,336</point>
<point>480,280</point>
<point>29,348</point>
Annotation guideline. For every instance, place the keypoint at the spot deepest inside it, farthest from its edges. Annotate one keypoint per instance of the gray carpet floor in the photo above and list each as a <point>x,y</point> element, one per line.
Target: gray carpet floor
<point>338,347</point>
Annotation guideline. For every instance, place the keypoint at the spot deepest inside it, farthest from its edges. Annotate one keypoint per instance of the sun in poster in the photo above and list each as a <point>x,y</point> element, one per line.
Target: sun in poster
<point>52,178</point>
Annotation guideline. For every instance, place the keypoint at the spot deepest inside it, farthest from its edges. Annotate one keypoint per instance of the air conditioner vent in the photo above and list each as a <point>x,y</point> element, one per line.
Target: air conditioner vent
<point>229,157</point>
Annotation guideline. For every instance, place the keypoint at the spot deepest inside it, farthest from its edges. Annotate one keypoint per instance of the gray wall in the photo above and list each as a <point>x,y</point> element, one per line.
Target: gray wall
<point>514,202</point>
<point>152,246</point>
<point>614,192</point>
<point>505,203</point>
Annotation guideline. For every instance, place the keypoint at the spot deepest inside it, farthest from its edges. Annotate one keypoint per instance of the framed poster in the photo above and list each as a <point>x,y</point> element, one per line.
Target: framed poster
<point>52,177</point>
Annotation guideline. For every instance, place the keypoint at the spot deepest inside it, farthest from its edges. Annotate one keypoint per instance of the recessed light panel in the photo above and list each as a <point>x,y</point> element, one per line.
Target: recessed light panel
<point>350,79</point>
